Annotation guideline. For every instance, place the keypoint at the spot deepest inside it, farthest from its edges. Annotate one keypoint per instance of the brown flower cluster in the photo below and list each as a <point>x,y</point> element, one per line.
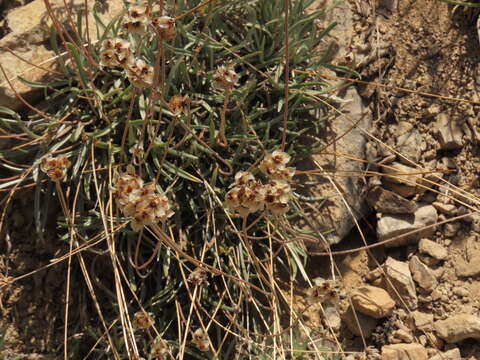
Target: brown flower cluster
<point>249,195</point>
<point>118,52</point>
<point>325,291</point>
<point>225,78</point>
<point>140,201</point>
<point>142,320</point>
<point>178,104</point>
<point>274,165</point>
<point>55,168</point>
<point>142,15</point>
<point>200,340</point>
<point>197,276</point>
<point>159,349</point>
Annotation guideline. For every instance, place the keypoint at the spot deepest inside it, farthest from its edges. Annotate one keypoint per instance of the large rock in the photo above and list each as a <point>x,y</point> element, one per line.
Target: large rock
<point>422,274</point>
<point>399,283</point>
<point>393,225</point>
<point>336,216</point>
<point>458,327</point>
<point>404,352</point>
<point>372,301</point>
<point>28,39</point>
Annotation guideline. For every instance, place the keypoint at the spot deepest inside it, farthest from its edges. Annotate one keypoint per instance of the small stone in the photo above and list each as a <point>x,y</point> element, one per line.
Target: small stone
<point>367,323</point>
<point>385,201</point>
<point>402,179</point>
<point>449,133</point>
<point>451,229</point>
<point>372,301</point>
<point>453,354</point>
<point>404,352</point>
<point>466,269</point>
<point>422,321</point>
<point>399,279</point>
<point>447,209</point>
<point>401,336</point>
<point>410,145</point>
<point>390,226</point>
<point>460,291</point>
<point>422,274</point>
<point>433,249</point>
<point>458,327</point>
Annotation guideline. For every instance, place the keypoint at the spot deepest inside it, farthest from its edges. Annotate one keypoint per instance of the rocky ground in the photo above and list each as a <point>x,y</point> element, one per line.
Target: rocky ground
<point>417,295</point>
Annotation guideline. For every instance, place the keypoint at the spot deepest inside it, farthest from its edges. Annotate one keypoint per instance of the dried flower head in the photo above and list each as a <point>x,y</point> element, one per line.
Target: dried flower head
<point>325,291</point>
<point>225,78</point>
<point>277,195</point>
<point>165,27</point>
<point>140,73</point>
<point>142,320</point>
<point>116,52</point>
<point>55,168</point>
<point>141,202</point>
<point>197,276</point>
<point>200,340</point>
<point>159,348</point>
<point>178,104</point>
<point>274,166</point>
<point>243,178</point>
<point>246,198</point>
<point>137,151</point>
<point>134,26</point>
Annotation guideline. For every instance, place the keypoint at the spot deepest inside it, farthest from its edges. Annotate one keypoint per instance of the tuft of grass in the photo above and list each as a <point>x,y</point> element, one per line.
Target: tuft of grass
<point>95,116</point>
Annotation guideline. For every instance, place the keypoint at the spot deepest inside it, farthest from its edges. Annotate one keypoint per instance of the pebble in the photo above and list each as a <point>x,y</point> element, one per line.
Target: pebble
<point>392,225</point>
<point>401,282</point>
<point>449,133</point>
<point>422,274</point>
<point>433,249</point>
<point>367,323</point>
<point>453,354</point>
<point>385,201</point>
<point>372,301</point>
<point>404,352</point>
<point>447,209</point>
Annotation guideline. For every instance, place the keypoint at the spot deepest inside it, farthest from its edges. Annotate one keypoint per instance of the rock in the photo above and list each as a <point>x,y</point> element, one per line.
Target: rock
<point>399,280</point>
<point>458,327</point>
<point>447,209</point>
<point>464,268</point>
<point>402,179</point>
<point>29,38</point>
<point>453,354</point>
<point>449,133</point>
<point>433,249</point>
<point>393,225</point>
<point>422,274</point>
<point>367,323</point>
<point>410,145</point>
<point>404,352</point>
<point>385,201</point>
<point>372,301</point>
<point>334,215</point>
<point>422,321</point>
